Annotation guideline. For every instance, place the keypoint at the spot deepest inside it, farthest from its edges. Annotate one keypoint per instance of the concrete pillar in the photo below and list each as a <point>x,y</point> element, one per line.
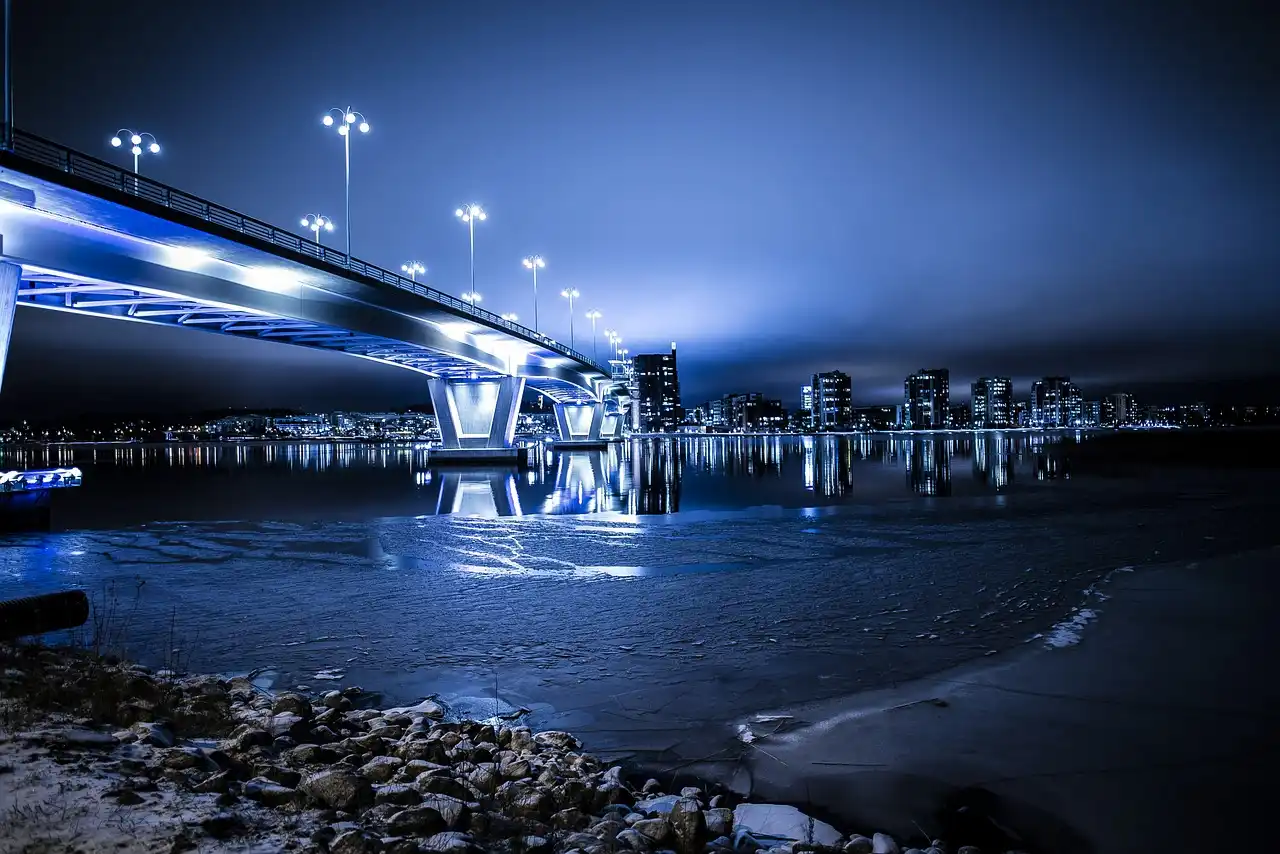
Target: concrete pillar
<point>472,493</point>
<point>579,422</point>
<point>10,274</point>
<point>477,418</point>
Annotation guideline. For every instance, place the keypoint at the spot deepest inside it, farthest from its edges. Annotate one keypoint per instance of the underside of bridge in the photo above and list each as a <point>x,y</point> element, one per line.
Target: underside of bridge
<point>78,235</point>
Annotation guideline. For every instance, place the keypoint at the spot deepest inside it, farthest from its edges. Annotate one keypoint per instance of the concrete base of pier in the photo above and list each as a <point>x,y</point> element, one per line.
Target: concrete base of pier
<point>581,444</point>
<point>478,456</point>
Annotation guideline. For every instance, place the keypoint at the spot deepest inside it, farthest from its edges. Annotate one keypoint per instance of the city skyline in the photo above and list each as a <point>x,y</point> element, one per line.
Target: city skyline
<point>1020,200</point>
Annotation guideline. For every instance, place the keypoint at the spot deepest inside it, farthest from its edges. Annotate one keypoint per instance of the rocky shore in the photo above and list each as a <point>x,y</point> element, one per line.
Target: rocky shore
<point>98,756</point>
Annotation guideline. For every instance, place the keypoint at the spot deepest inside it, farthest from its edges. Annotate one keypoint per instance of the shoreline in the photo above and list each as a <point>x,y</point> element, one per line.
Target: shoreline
<point>1147,733</point>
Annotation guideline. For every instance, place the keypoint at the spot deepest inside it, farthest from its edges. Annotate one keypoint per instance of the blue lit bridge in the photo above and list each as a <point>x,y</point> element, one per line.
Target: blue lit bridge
<point>80,235</point>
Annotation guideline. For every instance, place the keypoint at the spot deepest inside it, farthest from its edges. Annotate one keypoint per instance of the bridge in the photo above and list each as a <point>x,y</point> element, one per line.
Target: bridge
<point>78,234</point>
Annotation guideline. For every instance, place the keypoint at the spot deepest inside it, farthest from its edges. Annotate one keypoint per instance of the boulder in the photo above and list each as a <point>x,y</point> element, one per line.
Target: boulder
<point>783,822</point>
<point>431,784</point>
<point>449,842</point>
<point>416,821</point>
<point>858,844</point>
<point>452,810</point>
<point>634,840</point>
<point>399,794</point>
<point>291,703</point>
<point>159,734</point>
<point>656,830</point>
<point>719,821</point>
<point>354,842</point>
<point>557,740</point>
<point>690,826</point>
<point>338,789</point>
<point>269,793</point>
<point>380,769</point>
<point>883,843</point>
<point>657,806</point>
<point>310,754</point>
<point>287,723</point>
<point>570,819</point>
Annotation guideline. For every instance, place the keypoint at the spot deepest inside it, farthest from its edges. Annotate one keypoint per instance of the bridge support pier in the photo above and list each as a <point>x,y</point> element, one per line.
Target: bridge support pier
<point>9,276</point>
<point>584,425</point>
<point>477,420</point>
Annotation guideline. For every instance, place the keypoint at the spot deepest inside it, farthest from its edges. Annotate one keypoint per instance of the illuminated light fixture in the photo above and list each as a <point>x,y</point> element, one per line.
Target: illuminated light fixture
<point>348,118</point>
<point>510,317</point>
<point>469,215</point>
<point>593,315</point>
<point>472,297</point>
<point>570,294</point>
<point>316,223</point>
<point>413,269</point>
<point>535,263</point>
<point>136,146</point>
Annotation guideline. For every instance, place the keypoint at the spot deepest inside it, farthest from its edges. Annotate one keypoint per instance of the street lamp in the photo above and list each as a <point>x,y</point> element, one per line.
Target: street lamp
<point>593,315</point>
<point>137,144</point>
<point>612,337</point>
<point>316,224</point>
<point>469,215</point>
<point>347,119</point>
<point>510,317</point>
<point>472,297</point>
<point>535,263</point>
<point>570,294</point>
<point>413,268</point>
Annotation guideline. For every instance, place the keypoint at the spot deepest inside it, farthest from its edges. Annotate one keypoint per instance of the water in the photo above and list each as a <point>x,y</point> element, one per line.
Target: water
<point>642,596</point>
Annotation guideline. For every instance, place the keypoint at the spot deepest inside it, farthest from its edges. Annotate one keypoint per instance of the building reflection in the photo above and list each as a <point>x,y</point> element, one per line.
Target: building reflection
<point>638,477</point>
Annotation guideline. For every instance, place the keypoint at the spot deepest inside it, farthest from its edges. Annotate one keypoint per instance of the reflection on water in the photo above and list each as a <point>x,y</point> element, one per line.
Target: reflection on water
<point>650,476</point>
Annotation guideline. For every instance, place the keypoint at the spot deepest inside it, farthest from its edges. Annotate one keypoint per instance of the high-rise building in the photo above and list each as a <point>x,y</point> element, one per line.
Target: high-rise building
<point>961,417</point>
<point>927,399</point>
<point>992,403</point>
<point>658,391</point>
<point>832,405</point>
<point>1117,410</point>
<point>806,398</point>
<point>1056,402</point>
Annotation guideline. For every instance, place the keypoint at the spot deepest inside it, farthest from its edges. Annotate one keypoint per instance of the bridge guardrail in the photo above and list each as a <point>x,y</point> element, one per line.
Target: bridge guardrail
<point>54,156</point>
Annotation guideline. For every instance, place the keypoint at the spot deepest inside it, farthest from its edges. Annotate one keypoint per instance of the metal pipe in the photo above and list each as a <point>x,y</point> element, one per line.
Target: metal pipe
<point>35,615</point>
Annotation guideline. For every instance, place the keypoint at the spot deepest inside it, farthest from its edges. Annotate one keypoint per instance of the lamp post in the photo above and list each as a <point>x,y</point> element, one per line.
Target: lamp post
<point>593,315</point>
<point>412,269</point>
<point>316,223</point>
<point>347,119</point>
<point>510,317</point>
<point>469,215</point>
<point>612,337</point>
<point>472,297</point>
<point>535,263</point>
<point>137,144</point>
<point>570,294</point>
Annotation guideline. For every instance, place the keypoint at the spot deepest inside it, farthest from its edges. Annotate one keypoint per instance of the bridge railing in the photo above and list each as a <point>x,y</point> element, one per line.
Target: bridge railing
<point>54,156</point>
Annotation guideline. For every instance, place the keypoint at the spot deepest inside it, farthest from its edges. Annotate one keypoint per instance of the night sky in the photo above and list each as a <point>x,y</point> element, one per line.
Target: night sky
<point>1006,188</point>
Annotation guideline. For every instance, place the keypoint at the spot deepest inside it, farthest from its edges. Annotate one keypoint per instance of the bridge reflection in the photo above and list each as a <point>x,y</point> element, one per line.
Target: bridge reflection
<point>287,480</point>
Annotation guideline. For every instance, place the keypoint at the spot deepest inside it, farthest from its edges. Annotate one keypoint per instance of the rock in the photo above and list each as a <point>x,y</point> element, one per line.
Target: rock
<point>278,774</point>
<point>657,806</point>
<point>291,725</point>
<point>380,769</point>
<point>310,754</point>
<point>719,821</point>
<point>651,786</point>
<point>556,739</point>
<point>533,845</point>
<point>485,778</point>
<point>214,784</point>
<point>858,844</point>
<point>400,794</point>
<point>222,825</point>
<point>416,821</point>
<point>127,797</point>
<point>269,793</point>
<point>783,822</point>
<point>354,842</point>
<point>521,739</point>
<point>335,701</point>
<point>518,770</point>
<point>610,793</point>
<point>968,849</point>
<point>634,840</point>
<point>250,737</point>
<point>159,734</point>
<point>337,789</point>
<point>690,792</point>
<point>429,784</point>
<point>570,819</point>
<point>183,758</point>
<point>453,843</point>
<point>291,703</point>
<point>426,709</point>
<point>690,827</point>
<point>654,829</point>
<point>83,739</point>
<point>882,843</point>
<point>452,810</point>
